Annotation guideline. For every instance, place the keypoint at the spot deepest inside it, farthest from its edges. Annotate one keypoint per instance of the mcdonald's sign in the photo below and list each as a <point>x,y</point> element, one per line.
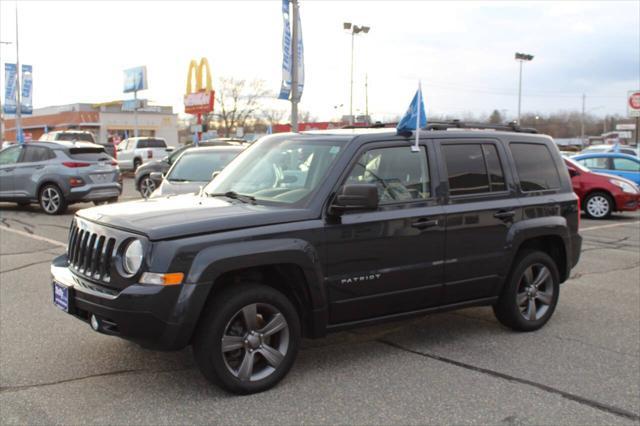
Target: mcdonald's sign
<point>199,100</point>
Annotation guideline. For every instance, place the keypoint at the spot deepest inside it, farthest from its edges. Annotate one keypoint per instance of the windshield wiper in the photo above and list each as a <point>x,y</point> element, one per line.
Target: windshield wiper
<point>235,196</point>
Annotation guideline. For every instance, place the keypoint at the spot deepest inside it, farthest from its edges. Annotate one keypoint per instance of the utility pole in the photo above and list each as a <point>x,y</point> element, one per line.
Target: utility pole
<point>294,67</point>
<point>521,57</point>
<point>19,102</point>
<point>366,96</point>
<point>584,100</point>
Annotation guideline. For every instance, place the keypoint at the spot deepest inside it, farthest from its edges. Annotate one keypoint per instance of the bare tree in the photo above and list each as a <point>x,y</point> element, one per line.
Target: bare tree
<point>273,116</point>
<point>238,101</point>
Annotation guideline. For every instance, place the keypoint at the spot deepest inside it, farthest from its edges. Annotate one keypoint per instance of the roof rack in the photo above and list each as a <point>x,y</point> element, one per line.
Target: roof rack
<point>457,124</point>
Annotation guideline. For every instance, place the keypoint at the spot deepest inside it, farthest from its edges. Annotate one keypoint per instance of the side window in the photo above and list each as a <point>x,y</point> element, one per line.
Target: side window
<point>496,175</point>
<point>156,143</point>
<point>595,163</point>
<point>535,166</point>
<point>626,165</point>
<point>467,170</point>
<point>34,154</point>
<point>400,174</point>
<point>10,155</point>
<point>142,143</point>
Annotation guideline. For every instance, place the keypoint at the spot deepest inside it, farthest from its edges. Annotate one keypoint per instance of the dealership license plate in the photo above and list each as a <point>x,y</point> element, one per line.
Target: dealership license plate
<point>101,177</point>
<point>61,296</point>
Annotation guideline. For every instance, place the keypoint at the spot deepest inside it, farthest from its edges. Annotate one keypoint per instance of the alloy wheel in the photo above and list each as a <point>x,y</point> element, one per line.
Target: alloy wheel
<point>598,206</point>
<point>51,200</point>
<point>535,292</point>
<point>255,342</point>
<point>147,186</point>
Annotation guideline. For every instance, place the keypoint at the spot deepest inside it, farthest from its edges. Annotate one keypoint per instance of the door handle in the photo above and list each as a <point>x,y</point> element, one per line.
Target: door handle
<point>39,167</point>
<point>505,215</point>
<point>9,170</point>
<point>424,223</point>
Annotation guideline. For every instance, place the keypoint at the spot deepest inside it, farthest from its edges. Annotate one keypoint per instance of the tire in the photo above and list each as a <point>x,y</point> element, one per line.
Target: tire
<point>225,317</point>
<point>52,199</point>
<point>136,163</point>
<point>146,186</point>
<point>107,201</point>
<point>524,308</point>
<point>23,203</point>
<point>598,205</point>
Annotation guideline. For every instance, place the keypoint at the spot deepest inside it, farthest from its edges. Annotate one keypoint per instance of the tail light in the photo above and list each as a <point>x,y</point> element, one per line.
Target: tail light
<point>579,209</point>
<point>75,164</point>
<point>149,153</point>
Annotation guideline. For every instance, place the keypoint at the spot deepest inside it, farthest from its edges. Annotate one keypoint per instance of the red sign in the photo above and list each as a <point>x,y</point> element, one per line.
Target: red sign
<point>199,103</point>
<point>634,100</point>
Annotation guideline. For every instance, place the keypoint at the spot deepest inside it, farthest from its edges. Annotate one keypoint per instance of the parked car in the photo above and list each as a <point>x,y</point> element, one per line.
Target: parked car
<point>143,182</point>
<point>623,165</point>
<point>133,152</point>
<point>306,234</point>
<point>622,149</point>
<point>77,136</point>
<point>601,194</point>
<point>193,170</point>
<point>56,174</point>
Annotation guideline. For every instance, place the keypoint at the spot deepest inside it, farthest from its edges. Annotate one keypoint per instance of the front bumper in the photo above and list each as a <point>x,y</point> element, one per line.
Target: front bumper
<point>627,202</point>
<point>154,316</point>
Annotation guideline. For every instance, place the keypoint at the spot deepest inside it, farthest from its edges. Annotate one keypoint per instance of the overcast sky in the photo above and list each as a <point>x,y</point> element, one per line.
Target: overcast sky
<point>461,51</point>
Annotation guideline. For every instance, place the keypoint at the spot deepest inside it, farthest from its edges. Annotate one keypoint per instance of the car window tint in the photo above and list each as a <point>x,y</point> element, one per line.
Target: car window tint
<point>535,166</point>
<point>33,154</point>
<point>466,169</point>
<point>595,163</point>
<point>400,174</point>
<point>496,175</point>
<point>626,165</point>
<point>142,143</point>
<point>88,154</point>
<point>10,155</point>
<point>156,143</point>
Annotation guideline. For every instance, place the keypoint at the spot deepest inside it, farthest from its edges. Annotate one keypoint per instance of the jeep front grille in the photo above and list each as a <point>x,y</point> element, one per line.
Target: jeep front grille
<point>90,254</point>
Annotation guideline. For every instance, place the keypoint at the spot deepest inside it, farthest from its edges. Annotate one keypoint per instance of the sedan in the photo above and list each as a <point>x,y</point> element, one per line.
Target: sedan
<point>193,169</point>
<point>626,166</point>
<point>601,194</point>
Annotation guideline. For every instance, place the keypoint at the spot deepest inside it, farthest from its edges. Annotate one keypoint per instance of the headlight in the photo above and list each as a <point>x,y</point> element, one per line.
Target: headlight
<point>132,260</point>
<point>624,186</point>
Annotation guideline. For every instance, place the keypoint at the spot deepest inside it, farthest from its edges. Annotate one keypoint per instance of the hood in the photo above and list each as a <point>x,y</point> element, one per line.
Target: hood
<point>176,188</point>
<point>183,215</point>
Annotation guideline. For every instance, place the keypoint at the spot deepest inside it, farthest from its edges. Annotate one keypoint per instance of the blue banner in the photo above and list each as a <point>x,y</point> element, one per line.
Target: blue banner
<point>415,116</point>
<point>285,88</point>
<point>26,98</point>
<point>10,81</point>
<point>135,79</point>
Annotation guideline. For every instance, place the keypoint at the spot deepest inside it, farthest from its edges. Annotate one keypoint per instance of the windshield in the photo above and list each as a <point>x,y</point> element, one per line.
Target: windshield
<point>199,165</point>
<point>278,170</point>
<point>70,137</point>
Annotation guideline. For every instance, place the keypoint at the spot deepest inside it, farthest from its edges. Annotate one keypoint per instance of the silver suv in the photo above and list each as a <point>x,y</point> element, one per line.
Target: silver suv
<point>56,174</point>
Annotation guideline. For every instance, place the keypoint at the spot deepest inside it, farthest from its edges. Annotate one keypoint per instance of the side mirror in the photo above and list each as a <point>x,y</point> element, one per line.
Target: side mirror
<point>214,174</point>
<point>573,171</point>
<point>169,149</point>
<point>156,177</point>
<point>361,196</point>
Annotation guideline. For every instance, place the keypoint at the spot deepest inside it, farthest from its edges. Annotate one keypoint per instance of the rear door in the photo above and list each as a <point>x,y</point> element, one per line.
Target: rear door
<point>8,160</point>
<point>480,210</point>
<point>388,261</point>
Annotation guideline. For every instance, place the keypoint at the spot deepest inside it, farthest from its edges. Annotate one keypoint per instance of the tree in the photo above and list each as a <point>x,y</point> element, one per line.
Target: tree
<point>495,117</point>
<point>237,102</point>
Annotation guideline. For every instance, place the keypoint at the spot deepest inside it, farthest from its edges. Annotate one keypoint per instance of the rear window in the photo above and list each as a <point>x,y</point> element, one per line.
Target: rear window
<point>88,154</point>
<point>535,166</point>
<point>83,137</point>
<point>156,143</point>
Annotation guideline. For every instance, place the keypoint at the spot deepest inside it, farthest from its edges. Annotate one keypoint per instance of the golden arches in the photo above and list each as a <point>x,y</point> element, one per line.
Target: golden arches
<point>195,70</point>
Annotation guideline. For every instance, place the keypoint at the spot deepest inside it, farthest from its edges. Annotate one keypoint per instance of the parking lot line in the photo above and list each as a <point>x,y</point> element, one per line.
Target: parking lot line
<point>611,225</point>
<point>34,236</point>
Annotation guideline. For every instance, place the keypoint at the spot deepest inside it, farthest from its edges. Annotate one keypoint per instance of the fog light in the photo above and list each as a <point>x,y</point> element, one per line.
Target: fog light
<point>95,324</point>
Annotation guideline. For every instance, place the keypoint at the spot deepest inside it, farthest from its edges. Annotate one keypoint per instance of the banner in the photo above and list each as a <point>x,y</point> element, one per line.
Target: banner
<point>26,98</point>
<point>285,88</point>
<point>300,63</point>
<point>10,80</point>
<point>135,79</point>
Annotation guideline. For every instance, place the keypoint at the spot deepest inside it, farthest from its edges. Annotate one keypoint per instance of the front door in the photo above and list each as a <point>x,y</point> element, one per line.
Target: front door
<point>390,260</point>
<point>8,160</point>
<point>28,170</point>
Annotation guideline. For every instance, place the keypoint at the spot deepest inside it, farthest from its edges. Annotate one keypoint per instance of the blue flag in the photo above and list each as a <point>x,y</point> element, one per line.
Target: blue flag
<point>410,120</point>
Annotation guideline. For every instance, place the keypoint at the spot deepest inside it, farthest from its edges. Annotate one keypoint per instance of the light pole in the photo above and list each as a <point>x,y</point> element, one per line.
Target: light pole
<point>354,29</point>
<point>1,109</point>
<point>521,57</point>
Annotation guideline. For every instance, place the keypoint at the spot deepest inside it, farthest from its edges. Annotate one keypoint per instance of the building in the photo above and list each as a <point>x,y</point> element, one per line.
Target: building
<point>105,120</point>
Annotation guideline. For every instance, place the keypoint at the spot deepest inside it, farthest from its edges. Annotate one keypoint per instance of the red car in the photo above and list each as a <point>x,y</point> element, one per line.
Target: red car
<point>600,194</point>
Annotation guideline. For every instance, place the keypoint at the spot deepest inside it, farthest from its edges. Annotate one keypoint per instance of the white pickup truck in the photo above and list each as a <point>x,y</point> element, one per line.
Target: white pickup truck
<point>133,152</point>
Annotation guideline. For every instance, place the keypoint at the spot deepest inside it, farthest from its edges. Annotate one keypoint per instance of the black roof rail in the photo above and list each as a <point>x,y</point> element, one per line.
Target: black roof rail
<point>457,124</point>
<point>376,125</point>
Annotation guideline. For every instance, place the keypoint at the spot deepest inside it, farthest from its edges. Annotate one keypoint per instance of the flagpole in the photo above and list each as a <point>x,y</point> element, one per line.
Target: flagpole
<point>416,148</point>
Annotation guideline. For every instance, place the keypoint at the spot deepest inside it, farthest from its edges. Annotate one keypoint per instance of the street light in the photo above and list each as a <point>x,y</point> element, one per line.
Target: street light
<point>354,29</point>
<point>521,57</point>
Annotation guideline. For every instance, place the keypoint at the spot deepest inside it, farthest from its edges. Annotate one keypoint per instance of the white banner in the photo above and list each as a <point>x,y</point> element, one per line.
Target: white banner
<point>10,80</point>
<point>26,99</point>
<point>285,88</point>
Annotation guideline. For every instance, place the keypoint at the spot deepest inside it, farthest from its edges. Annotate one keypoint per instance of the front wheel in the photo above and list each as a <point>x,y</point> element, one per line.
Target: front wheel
<point>52,200</point>
<point>147,186</point>
<point>530,294</point>
<point>598,205</point>
<point>248,340</point>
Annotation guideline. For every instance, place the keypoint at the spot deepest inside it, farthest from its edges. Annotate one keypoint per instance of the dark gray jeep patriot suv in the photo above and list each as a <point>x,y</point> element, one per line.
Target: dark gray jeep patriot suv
<point>305,234</point>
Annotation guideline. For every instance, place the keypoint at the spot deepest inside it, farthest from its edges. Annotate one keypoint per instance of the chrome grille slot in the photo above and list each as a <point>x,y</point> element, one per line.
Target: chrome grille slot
<point>87,254</point>
<point>106,259</point>
<point>90,253</point>
<point>96,255</point>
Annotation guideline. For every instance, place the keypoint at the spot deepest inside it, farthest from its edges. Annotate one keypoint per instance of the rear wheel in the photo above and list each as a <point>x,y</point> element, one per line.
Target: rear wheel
<point>147,186</point>
<point>530,294</point>
<point>248,340</point>
<point>598,205</point>
<point>52,199</point>
<point>136,164</point>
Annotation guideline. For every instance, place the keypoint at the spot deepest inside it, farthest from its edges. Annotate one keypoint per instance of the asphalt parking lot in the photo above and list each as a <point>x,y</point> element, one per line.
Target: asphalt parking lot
<point>460,367</point>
